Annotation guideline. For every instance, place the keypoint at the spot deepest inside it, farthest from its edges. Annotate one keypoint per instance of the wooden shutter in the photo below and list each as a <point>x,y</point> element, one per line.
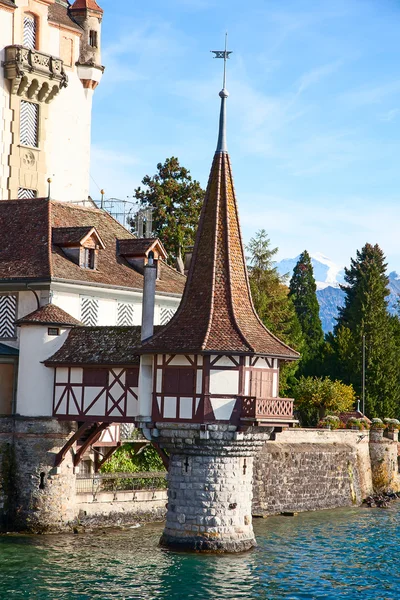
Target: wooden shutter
<point>261,384</point>
<point>29,37</point>
<point>29,124</point>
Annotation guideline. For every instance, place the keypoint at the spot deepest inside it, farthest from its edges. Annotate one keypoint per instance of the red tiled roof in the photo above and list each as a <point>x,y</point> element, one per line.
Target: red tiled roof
<point>50,314</point>
<point>26,252</point>
<point>86,5</point>
<point>138,246</point>
<point>67,236</point>
<point>58,13</point>
<point>217,313</point>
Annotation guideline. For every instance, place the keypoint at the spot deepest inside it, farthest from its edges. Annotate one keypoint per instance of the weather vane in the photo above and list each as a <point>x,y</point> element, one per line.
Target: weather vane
<point>223,54</point>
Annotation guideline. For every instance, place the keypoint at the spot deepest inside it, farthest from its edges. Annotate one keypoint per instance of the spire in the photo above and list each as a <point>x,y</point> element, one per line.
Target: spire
<point>221,144</point>
<point>86,5</point>
<point>216,314</point>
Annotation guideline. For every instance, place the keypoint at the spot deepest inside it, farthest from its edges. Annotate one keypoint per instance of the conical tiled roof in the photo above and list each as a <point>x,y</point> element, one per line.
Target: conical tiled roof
<point>86,5</point>
<point>49,314</point>
<point>217,313</point>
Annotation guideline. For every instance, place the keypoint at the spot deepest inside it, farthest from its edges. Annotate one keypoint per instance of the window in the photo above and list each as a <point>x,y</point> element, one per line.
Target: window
<point>95,377</point>
<point>93,38</point>
<point>25,194</point>
<point>125,313</point>
<point>179,381</point>
<point>132,377</point>
<point>53,331</point>
<point>30,32</point>
<point>8,315</point>
<point>89,258</point>
<point>29,124</point>
<point>89,311</point>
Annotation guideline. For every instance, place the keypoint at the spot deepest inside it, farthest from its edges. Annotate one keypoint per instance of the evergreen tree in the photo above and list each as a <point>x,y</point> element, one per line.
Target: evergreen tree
<point>272,303</point>
<point>176,200</point>
<point>365,314</point>
<point>303,294</point>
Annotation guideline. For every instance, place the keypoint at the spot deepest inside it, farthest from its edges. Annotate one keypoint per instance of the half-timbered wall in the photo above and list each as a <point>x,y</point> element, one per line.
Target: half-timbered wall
<point>96,393</point>
<point>205,389</point>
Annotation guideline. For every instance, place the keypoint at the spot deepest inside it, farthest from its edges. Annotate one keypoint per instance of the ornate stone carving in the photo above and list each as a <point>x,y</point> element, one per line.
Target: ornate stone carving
<point>34,75</point>
<point>28,159</point>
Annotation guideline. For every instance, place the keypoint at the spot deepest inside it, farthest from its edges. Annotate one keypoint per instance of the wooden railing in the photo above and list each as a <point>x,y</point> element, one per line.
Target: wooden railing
<point>264,408</point>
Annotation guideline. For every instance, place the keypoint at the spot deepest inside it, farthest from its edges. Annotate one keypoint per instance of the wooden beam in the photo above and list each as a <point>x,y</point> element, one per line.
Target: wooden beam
<point>94,436</point>
<point>162,454</point>
<point>68,445</point>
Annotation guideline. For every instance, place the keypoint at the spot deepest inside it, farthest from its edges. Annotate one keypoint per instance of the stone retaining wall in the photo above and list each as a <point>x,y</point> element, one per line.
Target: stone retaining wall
<point>317,469</point>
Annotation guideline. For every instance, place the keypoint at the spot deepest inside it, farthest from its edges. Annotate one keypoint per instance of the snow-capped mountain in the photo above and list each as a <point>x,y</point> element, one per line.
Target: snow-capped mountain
<point>326,272</point>
<point>328,276</point>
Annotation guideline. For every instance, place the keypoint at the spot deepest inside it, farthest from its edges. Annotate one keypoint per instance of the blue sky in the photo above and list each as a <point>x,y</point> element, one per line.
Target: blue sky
<point>313,112</point>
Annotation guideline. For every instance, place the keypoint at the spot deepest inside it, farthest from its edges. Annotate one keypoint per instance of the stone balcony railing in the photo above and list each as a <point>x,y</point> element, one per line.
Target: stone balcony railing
<point>267,409</point>
<point>34,74</point>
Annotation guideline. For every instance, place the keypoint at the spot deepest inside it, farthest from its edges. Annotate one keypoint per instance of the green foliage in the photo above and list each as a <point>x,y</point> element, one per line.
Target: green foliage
<point>176,200</point>
<point>272,302</point>
<point>303,294</point>
<point>365,314</point>
<point>126,460</point>
<point>315,396</point>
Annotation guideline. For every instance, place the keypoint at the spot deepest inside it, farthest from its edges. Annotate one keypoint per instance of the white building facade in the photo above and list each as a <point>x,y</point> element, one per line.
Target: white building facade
<point>51,64</point>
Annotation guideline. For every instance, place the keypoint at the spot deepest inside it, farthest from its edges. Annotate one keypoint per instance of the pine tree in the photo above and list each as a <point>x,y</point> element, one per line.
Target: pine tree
<point>272,303</point>
<point>176,200</point>
<point>365,314</point>
<point>303,294</point>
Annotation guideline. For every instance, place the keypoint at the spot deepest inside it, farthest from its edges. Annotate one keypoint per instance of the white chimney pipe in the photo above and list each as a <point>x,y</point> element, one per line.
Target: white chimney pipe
<point>149,297</point>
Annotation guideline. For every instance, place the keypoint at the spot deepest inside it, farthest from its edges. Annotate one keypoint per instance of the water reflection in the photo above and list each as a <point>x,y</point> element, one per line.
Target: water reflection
<point>331,554</point>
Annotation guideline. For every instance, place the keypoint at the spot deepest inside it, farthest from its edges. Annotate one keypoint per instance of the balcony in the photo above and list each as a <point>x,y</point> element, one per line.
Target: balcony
<point>34,75</point>
<point>267,410</point>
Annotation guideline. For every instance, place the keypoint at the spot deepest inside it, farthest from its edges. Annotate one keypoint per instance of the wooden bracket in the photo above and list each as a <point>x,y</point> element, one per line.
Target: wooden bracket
<point>68,445</point>
<point>93,437</point>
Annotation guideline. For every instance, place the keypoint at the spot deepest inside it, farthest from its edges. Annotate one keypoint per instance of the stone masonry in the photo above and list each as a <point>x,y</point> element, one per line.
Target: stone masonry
<point>34,497</point>
<point>210,486</point>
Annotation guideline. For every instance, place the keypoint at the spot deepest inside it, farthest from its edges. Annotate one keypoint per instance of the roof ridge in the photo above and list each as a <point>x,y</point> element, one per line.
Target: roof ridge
<point>228,173</point>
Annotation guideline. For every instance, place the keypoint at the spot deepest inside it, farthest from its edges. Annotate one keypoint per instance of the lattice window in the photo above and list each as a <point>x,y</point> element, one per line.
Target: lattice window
<point>8,315</point>
<point>125,313</point>
<point>89,311</point>
<point>29,124</point>
<point>166,314</point>
<point>24,194</point>
<point>29,37</point>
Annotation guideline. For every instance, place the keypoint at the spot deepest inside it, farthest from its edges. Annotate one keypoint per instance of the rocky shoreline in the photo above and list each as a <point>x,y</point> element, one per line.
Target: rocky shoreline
<point>381,500</point>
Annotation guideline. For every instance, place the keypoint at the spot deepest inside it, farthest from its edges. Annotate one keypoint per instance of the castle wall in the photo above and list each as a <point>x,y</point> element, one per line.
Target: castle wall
<point>312,470</point>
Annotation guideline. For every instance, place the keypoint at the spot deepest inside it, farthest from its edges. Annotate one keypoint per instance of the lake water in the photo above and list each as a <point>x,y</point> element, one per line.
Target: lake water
<point>330,554</point>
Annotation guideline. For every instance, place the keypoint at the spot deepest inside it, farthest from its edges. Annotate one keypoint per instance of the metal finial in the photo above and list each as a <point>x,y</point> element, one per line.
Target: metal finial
<point>221,145</point>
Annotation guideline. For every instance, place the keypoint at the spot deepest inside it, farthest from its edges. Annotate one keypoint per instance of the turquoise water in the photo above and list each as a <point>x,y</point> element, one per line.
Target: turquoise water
<point>330,554</point>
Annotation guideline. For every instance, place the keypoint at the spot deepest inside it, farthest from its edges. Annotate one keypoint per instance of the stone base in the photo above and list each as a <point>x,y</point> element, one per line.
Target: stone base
<point>199,543</point>
<point>34,498</point>
<point>210,481</point>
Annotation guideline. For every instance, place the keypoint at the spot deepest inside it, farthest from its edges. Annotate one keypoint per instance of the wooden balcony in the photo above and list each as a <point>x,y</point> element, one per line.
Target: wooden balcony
<point>267,410</point>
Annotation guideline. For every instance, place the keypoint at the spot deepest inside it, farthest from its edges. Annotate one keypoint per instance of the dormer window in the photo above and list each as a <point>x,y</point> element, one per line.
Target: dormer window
<point>89,258</point>
<point>137,251</point>
<point>80,244</point>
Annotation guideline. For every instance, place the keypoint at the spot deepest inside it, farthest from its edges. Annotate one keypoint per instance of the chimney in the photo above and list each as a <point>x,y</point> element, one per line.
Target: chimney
<point>149,297</point>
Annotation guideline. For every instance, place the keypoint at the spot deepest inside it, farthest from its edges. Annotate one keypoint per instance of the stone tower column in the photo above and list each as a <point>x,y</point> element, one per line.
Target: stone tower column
<point>210,480</point>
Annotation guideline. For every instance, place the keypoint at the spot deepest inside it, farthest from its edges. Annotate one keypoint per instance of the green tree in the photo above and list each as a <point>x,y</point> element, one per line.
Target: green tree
<point>365,314</point>
<point>316,396</point>
<point>176,200</point>
<point>271,301</point>
<point>126,460</point>
<point>303,294</point>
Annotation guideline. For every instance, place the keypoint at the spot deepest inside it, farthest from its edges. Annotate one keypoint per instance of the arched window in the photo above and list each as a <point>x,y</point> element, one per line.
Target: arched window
<point>30,31</point>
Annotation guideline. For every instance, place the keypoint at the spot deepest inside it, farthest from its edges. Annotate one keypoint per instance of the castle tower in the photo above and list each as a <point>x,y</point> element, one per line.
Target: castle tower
<point>50,65</point>
<point>209,381</point>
